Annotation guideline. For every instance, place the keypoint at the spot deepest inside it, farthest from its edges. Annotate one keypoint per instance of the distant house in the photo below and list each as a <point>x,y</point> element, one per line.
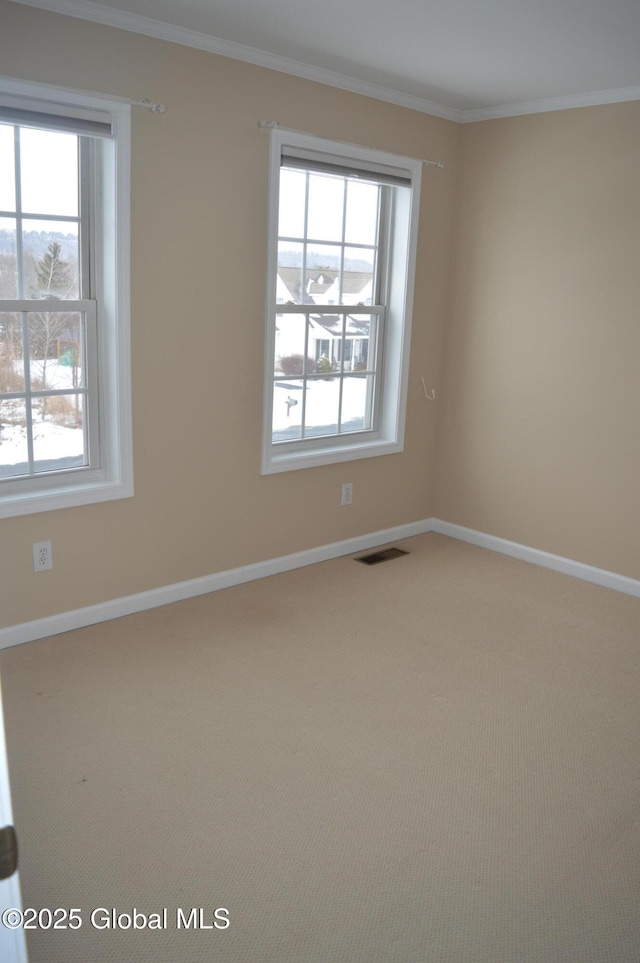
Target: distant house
<point>325,337</point>
<point>356,289</point>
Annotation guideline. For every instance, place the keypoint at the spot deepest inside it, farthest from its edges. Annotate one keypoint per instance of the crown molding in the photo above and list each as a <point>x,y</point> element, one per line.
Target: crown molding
<point>107,16</point>
<point>569,102</point>
<point>148,27</point>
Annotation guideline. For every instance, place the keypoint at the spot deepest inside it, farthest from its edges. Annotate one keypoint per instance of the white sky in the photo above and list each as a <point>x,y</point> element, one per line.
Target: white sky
<point>49,173</point>
<point>326,204</point>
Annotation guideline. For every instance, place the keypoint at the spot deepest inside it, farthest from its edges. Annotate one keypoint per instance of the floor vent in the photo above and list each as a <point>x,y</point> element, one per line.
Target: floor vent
<point>383,556</point>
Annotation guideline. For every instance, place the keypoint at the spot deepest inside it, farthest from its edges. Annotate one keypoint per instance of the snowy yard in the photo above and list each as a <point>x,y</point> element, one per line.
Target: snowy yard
<point>323,398</point>
<point>54,440</point>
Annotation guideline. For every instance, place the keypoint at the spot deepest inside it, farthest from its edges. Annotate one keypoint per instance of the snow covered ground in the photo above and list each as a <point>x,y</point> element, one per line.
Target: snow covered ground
<point>50,443</point>
<point>53,441</point>
<point>321,414</point>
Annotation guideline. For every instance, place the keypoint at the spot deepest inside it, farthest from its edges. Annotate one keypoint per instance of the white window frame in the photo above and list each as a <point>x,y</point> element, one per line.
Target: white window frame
<point>387,437</point>
<point>110,475</point>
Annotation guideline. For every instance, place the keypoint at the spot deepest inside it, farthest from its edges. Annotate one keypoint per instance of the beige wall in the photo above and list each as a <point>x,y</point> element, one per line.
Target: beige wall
<point>539,433</point>
<point>199,187</point>
<point>537,411</point>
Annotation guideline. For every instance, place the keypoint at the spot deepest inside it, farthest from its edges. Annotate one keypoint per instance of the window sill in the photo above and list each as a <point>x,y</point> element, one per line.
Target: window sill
<point>49,499</point>
<point>275,461</point>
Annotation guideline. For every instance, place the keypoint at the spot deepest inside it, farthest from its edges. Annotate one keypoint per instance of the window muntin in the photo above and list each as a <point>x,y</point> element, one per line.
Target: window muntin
<point>47,315</point>
<point>329,237</point>
<point>321,341</point>
<point>44,388</point>
<point>330,393</point>
<point>67,342</point>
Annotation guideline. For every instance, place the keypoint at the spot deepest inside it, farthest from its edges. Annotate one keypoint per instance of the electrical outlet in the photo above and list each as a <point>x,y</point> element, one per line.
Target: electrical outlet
<point>42,556</point>
<point>347,494</point>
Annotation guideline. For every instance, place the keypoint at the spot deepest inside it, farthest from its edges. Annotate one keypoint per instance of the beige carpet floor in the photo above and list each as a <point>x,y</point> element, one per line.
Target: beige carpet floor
<point>433,759</point>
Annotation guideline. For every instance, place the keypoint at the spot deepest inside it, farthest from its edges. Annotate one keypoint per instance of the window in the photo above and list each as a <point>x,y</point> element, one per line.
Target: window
<point>343,232</point>
<point>65,435</point>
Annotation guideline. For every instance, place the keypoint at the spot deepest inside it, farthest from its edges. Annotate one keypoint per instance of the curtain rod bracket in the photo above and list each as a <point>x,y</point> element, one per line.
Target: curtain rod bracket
<point>149,105</point>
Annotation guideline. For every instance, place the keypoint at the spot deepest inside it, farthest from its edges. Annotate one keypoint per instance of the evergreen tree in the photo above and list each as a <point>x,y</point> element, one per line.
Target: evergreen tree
<point>52,273</point>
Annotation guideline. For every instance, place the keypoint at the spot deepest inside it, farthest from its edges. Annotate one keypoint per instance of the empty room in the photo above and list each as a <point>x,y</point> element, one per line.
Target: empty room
<point>319,461</point>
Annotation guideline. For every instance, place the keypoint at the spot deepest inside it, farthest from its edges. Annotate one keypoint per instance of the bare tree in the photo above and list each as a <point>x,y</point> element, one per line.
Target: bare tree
<point>48,329</point>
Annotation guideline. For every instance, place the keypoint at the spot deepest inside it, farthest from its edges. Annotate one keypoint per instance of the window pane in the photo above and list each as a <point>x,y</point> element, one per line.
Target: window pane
<point>8,263</point>
<point>58,435</point>
<point>11,353</point>
<point>325,333</point>
<point>289,353</point>
<point>287,410</point>
<point>321,415</point>
<point>357,395</point>
<point>326,207</point>
<point>360,333</point>
<point>7,169</point>
<point>291,204</point>
<point>362,213</point>
<point>49,171</point>
<point>56,350</point>
<point>359,266</point>
<point>322,276</point>
<point>289,280</point>
<point>14,454</point>
<point>51,259</point>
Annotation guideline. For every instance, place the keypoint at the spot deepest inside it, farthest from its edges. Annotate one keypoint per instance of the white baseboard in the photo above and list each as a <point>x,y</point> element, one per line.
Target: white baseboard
<point>116,608</point>
<point>567,566</point>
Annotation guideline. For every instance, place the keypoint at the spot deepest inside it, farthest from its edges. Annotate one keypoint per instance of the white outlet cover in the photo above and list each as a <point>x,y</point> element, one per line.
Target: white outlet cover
<point>42,556</point>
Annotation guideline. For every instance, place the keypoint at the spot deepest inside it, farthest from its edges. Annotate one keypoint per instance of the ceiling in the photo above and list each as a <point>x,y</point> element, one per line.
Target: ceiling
<point>461,59</point>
